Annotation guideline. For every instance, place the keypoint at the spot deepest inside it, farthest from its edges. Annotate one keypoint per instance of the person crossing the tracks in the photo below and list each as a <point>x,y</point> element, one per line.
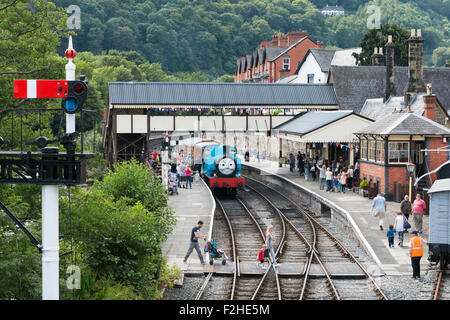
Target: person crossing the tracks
<point>269,244</point>
<point>419,207</point>
<point>262,254</point>
<point>416,253</point>
<point>195,235</point>
<point>379,209</point>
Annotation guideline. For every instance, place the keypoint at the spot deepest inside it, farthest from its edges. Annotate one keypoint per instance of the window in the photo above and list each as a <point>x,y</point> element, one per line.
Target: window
<point>286,62</point>
<point>372,149</point>
<point>380,151</point>
<point>398,152</point>
<point>310,77</point>
<point>364,149</point>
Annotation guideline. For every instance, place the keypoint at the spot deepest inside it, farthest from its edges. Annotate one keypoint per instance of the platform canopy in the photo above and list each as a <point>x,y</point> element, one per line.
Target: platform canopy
<point>129,95</point>
<point>323,127</point>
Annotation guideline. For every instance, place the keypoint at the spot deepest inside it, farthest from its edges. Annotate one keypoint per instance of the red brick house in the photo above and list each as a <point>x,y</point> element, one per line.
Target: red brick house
<point>275,59</point>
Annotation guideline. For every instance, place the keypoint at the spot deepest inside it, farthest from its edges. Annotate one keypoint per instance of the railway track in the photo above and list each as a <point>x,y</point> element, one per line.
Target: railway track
<point>326,248</point>
<point>442,288</point>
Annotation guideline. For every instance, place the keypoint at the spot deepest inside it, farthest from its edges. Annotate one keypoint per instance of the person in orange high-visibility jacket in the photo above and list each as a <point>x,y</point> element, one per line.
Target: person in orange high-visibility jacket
<point>416,253</point>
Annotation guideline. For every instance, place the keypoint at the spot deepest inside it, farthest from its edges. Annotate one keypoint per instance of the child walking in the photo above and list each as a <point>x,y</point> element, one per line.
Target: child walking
<point>263,252</point>
<point>390,235</point>
<point>197,177</point>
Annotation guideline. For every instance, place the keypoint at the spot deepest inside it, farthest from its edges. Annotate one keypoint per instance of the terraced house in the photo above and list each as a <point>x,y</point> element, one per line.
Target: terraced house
<point>275,59</point>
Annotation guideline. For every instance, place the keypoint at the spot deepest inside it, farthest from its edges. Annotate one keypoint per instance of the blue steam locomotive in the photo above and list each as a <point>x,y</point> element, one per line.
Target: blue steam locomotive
<point>221,168</point>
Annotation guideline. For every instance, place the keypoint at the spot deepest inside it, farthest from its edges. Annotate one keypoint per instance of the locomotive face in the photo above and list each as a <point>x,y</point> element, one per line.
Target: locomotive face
<point>226,166</point>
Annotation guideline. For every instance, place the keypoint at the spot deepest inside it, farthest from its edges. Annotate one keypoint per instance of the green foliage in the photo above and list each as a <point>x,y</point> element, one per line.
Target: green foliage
<point>31,31</point>
<point>440,56</point>
<point>207,36</point>
<point>225,78</point>
<point>120,223</point>
<point>376,39</point>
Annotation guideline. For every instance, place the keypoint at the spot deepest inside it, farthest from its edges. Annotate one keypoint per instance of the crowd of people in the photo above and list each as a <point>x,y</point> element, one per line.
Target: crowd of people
<point>333,174</point>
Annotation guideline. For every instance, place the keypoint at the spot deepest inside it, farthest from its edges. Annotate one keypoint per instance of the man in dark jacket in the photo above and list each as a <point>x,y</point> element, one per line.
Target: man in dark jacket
<point>405,207</point>
<point>300,163</point>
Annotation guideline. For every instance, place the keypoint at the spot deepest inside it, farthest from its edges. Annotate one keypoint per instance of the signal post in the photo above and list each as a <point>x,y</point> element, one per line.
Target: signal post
<point>55,164</point>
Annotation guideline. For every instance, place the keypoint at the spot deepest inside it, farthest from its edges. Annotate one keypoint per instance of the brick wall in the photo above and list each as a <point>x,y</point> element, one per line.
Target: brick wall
<point>372,170</point>
<point>377,173</point>
<point>296,54</point>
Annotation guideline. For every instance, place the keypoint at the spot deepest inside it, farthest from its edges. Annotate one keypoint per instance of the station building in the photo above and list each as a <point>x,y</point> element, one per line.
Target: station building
<point>241,115</point>
<point>324,134</point>
<point>410,134</point>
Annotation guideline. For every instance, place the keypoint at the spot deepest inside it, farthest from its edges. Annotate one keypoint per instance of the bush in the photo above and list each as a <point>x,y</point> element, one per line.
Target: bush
<point>120,224</point>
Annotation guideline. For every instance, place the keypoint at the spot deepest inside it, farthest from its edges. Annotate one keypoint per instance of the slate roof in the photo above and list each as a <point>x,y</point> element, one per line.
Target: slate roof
<point>311,121</point>
<point>273,52</point>
<point>287,49</point>
<point>323,58</point>
<point>220,94</point>
<point>404,123</point>
<point>355,84</point>
<point>344,57</point>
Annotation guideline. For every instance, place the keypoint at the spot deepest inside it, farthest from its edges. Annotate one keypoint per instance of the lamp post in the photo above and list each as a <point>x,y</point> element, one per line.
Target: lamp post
<point>410,167</point>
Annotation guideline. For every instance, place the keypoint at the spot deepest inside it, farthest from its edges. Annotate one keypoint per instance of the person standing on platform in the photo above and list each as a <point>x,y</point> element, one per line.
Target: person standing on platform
<point>291,162</point>
<point>183,175</point>
<point>312,166</point>
<point>343,180</point>
<point>405,207</point>
<point>269,244</point>
<point>418,211</point>
<point>329,179</point>
<point>300,163</point>
<point>188,177</point>
<point>379,209</point>
<point>195,235</point>
<point>322,176</point>
<point>350,177</point>
<point>416,253</point>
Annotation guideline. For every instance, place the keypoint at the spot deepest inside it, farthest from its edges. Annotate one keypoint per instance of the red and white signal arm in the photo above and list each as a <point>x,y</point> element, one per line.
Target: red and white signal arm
<point>33,89</point>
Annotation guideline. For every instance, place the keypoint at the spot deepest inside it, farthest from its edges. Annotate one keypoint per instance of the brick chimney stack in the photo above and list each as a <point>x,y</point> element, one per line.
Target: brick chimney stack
<point>294,36</point>
<point>415,85</point>
<point>389,89</point>
<point>430,103</point>
<point>377,57</point>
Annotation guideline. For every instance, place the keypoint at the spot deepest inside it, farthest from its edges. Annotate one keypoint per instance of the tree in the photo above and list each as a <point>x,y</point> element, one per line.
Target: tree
<point>375,39</point>
<point>30,33</point>
<point>440,56</point>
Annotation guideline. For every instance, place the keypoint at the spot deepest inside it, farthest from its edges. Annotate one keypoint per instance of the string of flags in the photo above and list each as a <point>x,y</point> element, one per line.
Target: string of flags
<point>207,109</point>
<point>337,144</point>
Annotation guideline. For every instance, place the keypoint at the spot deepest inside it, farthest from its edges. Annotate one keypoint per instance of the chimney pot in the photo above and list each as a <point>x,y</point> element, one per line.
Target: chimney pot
<point>375,50</point>
<point>413,32</point>
<point>380,50</point>
<point>389,38</point>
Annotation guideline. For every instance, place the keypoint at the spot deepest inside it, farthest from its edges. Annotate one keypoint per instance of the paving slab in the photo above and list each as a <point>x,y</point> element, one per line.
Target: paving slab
<point>393,261</point>
<point>189,206</point>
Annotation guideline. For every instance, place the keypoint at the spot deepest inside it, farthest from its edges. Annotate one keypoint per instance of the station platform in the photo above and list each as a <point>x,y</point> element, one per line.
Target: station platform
<point>393,261</point>
<point>189,206</point>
